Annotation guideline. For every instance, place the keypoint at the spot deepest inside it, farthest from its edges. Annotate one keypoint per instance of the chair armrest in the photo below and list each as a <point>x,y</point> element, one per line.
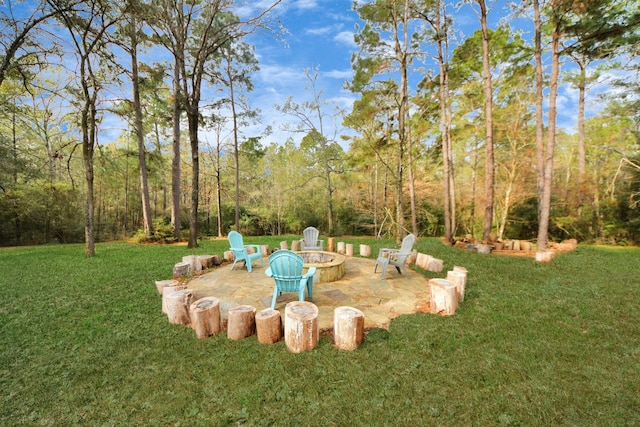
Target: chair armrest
<point>310,272</point>
<point>257,249</point>
<point>268,272</point>
<point>386,252</point>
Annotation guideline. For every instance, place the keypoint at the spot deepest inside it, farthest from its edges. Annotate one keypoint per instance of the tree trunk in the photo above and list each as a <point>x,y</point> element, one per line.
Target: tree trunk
<point>539,106</point>
<point>88,126</point>
<point>175,162</point>
<point>142,163</point>
<point>440,29</point>
<point>545,200</point>
<point>219,193</point>
<point>581,135</point>
<point>192,118</point>
<point>488,99</point>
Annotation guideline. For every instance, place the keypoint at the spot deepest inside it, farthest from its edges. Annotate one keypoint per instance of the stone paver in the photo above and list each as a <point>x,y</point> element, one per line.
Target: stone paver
<point>379,300</point>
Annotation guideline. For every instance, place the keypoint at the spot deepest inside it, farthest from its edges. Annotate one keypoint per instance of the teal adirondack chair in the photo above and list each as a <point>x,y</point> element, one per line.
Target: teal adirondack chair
<point>395,257</point>
<point>285,267</point>
<point>310,241</point>
<point>240,251</point>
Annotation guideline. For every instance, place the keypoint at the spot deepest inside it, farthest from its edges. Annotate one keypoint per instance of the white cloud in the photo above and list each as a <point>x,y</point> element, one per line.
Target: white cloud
<point>338,74</point>
<point>322,31</point>
<point>345,38</point>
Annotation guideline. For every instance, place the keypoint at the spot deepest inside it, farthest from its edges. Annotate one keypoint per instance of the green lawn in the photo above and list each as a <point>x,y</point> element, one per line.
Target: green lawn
<point>84,342</point>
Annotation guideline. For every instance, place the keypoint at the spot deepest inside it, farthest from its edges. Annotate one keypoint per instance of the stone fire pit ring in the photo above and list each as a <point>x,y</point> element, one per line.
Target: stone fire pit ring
<point>330,266</point>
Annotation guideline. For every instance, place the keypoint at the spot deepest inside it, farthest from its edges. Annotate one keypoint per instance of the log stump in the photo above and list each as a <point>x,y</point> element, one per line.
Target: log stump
<point>207,261</point>
<point>217,260</point>
<point>331,244</point>
<point>160,284</point>
<point>444,299</point>
<point>301,328</point>
<point>194,260</point>
<point>460,269</point>
<point>178,304</point>
<point>412,258</point>
<point>241,322</point>
<point>295,245</point>
<point>205,317</point>
<point>422,261</point>
<point>341,248</point>
<point>365,250</point>
<point>181,269</point>
<point>349,249</point>
<point>459,280</point>
<point>544,256</point>
<point>284,245</point>
<point>484,248</point>
<point>269,326</point>
<point>348,328</point>
<point>229,256</point>
<point>264,250</point>
<point>516,245</point>
<point>436,265</point>
<point>168,290</point>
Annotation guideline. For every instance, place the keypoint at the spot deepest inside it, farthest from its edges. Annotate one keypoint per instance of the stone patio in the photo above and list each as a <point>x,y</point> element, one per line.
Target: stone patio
<point>379,300</point>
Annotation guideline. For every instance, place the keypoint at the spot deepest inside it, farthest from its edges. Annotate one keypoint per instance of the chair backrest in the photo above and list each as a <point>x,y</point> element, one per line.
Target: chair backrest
<point>235,240</point>
<point>311,236</point>
<point>407,244</point>
<point>286,268</point>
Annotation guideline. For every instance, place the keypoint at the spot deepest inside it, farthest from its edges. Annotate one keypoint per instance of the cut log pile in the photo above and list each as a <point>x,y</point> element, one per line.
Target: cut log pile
<point>514,247</point>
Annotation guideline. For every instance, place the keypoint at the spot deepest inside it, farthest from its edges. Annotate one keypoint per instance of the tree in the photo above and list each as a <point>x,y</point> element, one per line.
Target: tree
<point>194,33</point>
<point>310,120</point>
<point>88,28</point>
<point>387,44</point>
<point>439,27</point>
<point>19,37</point>
<point>233,71</point>
<point>488,117</point>
<point>130,42</point>
<point>598,31</point>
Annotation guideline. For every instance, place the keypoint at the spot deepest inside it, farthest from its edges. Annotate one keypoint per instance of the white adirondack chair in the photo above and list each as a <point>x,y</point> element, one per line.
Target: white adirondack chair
<point>310,241</point>
<point>395,257</point>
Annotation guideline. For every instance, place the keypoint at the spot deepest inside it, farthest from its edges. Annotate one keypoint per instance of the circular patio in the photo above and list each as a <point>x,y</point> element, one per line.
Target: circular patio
<point>361,288</point>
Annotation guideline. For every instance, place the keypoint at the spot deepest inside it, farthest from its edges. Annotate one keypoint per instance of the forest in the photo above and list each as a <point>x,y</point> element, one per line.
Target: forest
<point>450,136</point>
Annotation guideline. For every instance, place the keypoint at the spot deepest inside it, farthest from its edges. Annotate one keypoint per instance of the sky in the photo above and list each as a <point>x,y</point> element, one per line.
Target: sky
<point>320,36</point>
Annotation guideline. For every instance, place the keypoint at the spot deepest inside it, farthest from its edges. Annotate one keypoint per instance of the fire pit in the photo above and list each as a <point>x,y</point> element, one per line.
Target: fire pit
<point>329,265</point>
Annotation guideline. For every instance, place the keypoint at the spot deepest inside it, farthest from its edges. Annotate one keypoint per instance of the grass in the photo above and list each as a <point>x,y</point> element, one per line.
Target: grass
<point>84,342</point>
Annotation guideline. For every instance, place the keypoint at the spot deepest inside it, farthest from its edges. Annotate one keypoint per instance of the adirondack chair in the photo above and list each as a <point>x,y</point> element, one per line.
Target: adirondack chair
<point>395,257</point>
<point>285,267</point>
<point>310,241</point>
<point>240,251</point>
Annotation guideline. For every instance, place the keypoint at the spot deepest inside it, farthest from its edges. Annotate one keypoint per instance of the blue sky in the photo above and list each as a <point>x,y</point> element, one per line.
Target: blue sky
<point>320,34</point>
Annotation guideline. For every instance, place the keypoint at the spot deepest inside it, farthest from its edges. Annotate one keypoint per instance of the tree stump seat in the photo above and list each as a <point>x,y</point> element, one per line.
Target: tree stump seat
<point>269,326</point>
<point>348,328</point>
<point>301,328</point>
<point>241,322</point>
<point>177,305</point>
<point>205,317</point>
